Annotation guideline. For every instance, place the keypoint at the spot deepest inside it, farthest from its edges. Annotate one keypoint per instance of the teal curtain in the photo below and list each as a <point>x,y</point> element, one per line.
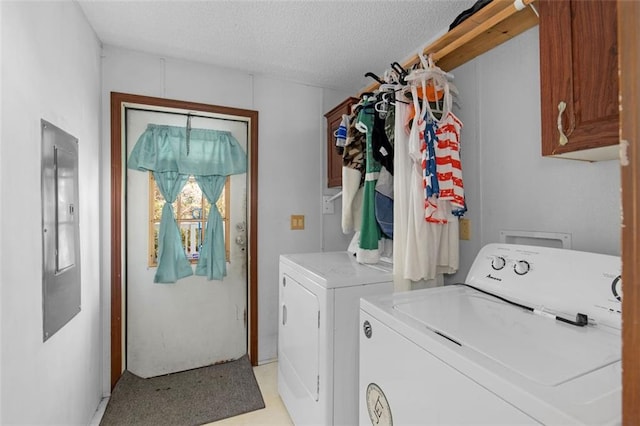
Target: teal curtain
<point>207,152</point>
<point>211,263</point>
<point>172,260</point>
<point>173,154</point>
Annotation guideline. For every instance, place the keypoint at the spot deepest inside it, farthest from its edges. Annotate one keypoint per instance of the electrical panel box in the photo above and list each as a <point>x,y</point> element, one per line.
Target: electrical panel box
<point>60,229</point>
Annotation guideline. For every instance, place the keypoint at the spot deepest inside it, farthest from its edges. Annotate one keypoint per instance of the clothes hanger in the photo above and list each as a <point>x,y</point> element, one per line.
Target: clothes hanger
<point>437,79</point>
<point>365,97</point>
<point>382,106</point>
<point>452,88</point>
<point>401,72</point>
<point>375,77</point>
<point>434,85</point>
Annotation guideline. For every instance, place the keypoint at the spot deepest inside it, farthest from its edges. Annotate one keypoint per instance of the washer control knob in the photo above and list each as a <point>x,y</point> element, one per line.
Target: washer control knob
<point>498,263</point>
<point>616,288</point>
<point>521,267</point>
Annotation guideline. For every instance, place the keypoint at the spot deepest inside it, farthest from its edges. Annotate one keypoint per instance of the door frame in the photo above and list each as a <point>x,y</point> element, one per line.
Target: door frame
<point>629,67</point>
<point>118,263</point>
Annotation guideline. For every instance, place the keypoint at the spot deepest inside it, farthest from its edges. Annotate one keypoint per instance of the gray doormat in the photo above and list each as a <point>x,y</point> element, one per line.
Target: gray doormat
<point>193,397</point>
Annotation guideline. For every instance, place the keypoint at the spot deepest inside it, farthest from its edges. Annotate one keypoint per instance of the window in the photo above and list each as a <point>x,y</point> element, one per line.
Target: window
<point>191,210</point>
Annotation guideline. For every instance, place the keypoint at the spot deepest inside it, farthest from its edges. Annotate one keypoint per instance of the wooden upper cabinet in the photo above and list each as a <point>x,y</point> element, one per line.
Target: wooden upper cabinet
<point>579,67</point>
<point>334,160</point>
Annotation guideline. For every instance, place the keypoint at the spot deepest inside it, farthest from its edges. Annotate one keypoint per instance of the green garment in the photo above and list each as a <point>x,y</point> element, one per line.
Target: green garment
<point>370,233</point>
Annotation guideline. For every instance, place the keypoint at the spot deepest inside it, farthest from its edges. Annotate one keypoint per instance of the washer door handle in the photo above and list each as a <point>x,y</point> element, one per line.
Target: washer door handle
<point>366,326</point>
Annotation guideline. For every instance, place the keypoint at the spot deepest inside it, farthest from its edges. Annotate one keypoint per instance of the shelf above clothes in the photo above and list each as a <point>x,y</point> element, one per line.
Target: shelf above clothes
<point>491,26</point>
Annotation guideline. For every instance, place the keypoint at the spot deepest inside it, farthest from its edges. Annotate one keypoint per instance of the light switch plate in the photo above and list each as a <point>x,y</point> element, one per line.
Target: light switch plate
<point>327,204</point>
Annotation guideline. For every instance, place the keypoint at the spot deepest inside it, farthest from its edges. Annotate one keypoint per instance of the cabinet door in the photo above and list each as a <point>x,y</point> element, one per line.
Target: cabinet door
<point>334,160</point>
<point>579,67</point>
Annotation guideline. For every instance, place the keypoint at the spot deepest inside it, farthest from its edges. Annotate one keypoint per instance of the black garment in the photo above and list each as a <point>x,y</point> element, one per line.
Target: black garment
<point>382,148</point>
<point>465,14</point>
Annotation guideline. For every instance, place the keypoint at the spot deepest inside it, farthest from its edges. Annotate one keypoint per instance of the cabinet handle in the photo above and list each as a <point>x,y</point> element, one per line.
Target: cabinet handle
<point>563,138</point>
<point>284,314</point>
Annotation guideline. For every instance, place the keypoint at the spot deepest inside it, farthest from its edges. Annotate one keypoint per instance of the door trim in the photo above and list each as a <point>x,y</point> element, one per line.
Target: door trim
<point>118,100</point>
<point>629,65</point>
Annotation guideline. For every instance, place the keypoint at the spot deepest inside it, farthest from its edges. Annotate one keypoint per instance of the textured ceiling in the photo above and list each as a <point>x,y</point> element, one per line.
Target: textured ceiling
<point>323,43</point>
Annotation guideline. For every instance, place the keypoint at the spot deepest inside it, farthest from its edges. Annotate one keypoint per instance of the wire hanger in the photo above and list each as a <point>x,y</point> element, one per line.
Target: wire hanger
<point>375,77</point>
<point>402,73</point>
<point>432,85</point>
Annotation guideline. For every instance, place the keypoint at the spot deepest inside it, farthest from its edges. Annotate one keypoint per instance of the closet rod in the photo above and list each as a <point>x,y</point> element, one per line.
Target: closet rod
<point>494,13</point>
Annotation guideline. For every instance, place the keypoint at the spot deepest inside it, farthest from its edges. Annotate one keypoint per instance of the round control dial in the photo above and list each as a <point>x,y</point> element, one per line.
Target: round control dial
<point>498,262</point>
<point>521,267</point>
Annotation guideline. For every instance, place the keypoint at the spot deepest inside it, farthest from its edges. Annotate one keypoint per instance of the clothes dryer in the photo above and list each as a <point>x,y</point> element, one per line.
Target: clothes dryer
<point>319,297</point>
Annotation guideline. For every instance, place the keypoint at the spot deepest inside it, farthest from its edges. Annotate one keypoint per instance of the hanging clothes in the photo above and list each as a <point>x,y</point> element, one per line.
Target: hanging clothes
<point>384,202</point>
<point>210,156</point>
<point>429,167</point>
<point>431,247</point>
<point>402,166</point>
<point>417,239</point>
<point>418,194</point>
<point>352,177</point>
<point>341,134</point>
<point>383,152</point>
<point>370,233</point>
<point>381,148</point>
<point>449,166</point>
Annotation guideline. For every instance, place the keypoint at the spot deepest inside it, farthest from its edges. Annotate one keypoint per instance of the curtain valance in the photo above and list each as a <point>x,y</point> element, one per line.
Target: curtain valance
<point>197,152</point>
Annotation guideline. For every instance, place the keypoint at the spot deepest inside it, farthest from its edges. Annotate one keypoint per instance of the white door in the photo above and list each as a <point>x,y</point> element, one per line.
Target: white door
<point>193,322</point>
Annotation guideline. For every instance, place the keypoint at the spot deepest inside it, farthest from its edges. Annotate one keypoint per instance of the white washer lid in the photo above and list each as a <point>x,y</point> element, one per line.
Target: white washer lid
<point>338,269</point>
<point>544,350</point>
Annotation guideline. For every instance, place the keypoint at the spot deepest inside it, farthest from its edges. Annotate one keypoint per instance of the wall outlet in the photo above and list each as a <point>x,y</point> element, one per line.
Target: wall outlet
<point>327,204</point>
<point>297,221</point>
<point>465,229</point>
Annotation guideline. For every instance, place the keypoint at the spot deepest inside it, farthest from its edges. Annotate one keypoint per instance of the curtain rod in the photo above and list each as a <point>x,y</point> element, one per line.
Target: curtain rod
<point>184,114</point>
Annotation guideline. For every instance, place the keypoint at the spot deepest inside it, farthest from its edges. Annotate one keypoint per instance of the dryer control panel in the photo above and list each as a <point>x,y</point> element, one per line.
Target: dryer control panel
<point>558,281</point>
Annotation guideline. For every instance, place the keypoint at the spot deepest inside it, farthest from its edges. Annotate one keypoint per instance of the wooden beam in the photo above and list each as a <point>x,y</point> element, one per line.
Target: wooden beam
<point>491,26</point>
<point>629,67</point>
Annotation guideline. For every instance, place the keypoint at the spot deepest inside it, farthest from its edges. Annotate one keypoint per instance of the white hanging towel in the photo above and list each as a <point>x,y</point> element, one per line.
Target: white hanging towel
<point>402,171</point>
<point>351,200</point>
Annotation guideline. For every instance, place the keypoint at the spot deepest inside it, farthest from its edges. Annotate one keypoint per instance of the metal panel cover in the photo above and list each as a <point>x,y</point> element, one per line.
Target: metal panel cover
<point>60,229</point>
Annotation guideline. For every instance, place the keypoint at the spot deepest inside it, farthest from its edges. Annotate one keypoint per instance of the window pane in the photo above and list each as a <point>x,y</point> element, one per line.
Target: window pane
<point>158,203</point>
<point>191,233</point>
<point>192,210</point>
<point>154,253</point>
<point>190,201</point>
<point>220,204</point>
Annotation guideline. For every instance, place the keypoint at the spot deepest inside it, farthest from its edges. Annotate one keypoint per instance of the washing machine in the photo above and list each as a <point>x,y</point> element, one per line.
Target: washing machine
<point>319,297</point>
<point>531,337</point>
